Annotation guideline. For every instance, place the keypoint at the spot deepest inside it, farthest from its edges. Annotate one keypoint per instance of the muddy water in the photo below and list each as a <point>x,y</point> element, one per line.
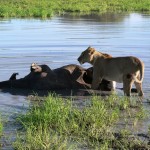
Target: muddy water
<point>59,41</point>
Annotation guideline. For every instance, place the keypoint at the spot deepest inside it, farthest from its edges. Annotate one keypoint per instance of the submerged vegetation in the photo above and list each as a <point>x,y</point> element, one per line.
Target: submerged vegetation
<point>59,123</point>
<point>47,8</point>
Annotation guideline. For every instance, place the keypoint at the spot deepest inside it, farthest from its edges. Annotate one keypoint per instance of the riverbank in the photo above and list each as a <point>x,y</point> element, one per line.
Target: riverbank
<point>45,8</point>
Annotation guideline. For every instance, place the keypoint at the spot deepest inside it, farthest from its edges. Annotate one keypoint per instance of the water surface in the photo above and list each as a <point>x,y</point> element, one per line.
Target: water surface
<point>60,40</point>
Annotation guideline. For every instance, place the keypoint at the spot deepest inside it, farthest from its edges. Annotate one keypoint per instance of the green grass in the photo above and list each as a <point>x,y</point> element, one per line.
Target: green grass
<point>48,8</point>
<point>1,129</point>
<point>1,126</point>
<point>60,124</point>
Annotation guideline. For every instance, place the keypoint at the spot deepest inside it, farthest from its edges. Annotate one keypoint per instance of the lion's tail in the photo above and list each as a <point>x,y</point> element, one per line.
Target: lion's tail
<point>141,69</point>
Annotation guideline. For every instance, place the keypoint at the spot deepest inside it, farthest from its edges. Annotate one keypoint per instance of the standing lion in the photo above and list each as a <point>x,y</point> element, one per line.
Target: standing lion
<point>128,70</point>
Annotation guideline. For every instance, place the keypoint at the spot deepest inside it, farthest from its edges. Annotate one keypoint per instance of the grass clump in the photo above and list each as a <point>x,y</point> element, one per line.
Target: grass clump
<point>46,8</point>
<point>1,129</point>
<point>60,124</point>
<point>59,120</point>
<point>1,126</point>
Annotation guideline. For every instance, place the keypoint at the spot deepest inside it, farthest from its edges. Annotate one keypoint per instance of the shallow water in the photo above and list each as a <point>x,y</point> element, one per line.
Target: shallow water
<point>60,40</point>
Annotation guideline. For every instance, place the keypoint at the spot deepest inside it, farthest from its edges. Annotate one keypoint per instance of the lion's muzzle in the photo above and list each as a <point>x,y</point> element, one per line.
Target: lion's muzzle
<point>80,61</point>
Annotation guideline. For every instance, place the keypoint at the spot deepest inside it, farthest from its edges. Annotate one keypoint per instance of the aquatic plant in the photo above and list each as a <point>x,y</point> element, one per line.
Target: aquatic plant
<point>46,8</point>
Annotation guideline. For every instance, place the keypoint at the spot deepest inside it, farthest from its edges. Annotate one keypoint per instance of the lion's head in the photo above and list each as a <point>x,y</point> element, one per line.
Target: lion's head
<point>89,55</point>
<point>86,56</point>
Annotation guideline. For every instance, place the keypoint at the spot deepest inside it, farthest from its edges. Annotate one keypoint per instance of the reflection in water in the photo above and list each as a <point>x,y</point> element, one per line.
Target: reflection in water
<point>103,18</point>
<point>60,40</point>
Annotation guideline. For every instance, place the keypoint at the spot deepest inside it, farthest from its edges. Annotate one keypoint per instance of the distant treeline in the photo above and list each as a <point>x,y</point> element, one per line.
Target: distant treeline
<point>48,8</point>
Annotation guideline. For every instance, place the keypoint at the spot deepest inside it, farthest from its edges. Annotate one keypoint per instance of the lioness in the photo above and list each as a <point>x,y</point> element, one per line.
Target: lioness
<point>112,83</point>
<point>128,70</point>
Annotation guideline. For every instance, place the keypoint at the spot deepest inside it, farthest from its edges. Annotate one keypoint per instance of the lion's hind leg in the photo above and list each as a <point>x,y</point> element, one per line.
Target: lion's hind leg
<point>139,87</point>
<point>127,84</point>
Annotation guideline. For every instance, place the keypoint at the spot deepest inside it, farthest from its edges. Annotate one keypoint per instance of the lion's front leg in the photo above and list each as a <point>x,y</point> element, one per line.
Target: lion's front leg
<point>96,80</point>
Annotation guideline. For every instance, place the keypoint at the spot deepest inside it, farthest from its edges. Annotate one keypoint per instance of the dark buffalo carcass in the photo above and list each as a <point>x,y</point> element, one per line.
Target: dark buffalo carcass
<point>42,77</point>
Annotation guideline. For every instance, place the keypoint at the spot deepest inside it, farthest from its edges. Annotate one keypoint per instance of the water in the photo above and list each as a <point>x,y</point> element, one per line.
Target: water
<point>60,40</point>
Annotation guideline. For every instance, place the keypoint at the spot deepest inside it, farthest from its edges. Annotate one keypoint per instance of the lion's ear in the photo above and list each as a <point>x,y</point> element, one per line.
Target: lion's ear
<point>92,50</point>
